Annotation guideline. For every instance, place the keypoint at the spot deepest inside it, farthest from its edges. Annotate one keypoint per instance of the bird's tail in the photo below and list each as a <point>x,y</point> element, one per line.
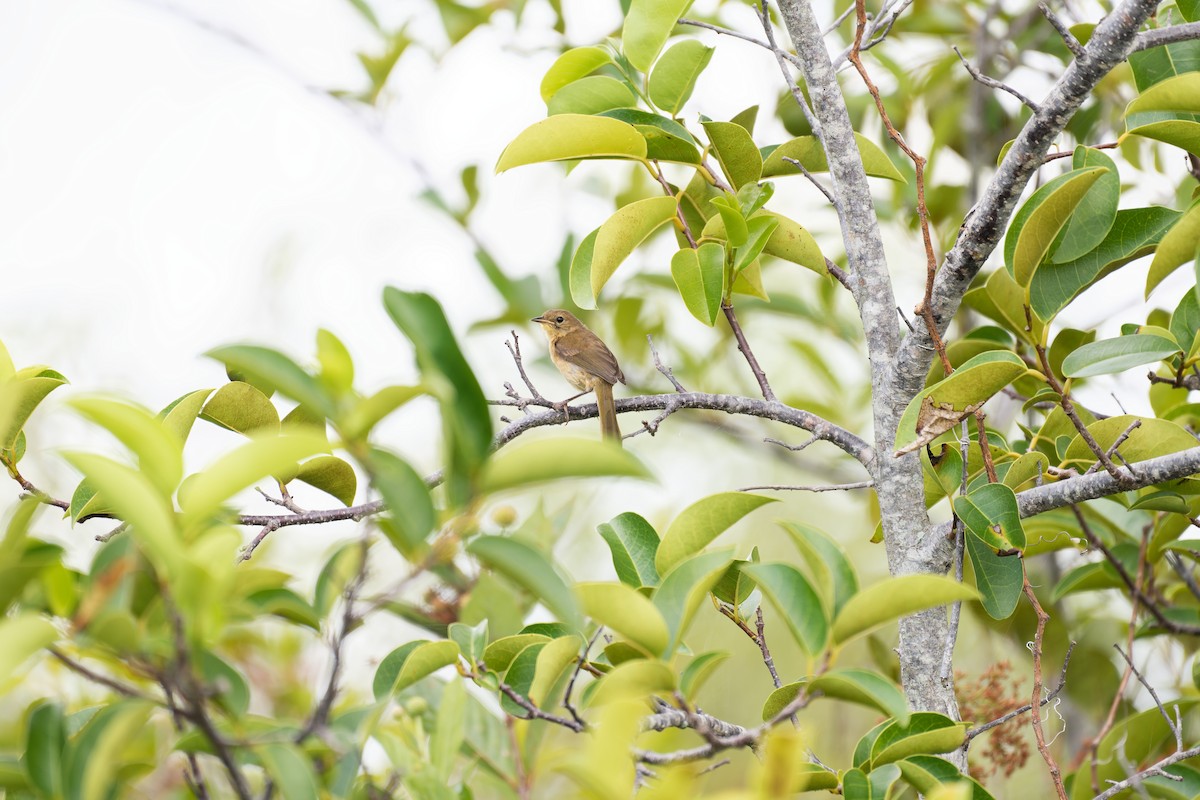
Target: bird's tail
<point>608,412</point>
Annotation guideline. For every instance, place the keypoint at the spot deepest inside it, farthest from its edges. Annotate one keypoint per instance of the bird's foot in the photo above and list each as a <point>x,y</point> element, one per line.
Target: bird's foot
<point>563,407</point>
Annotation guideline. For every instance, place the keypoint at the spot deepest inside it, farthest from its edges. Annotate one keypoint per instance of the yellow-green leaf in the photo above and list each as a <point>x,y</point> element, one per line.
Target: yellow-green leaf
<point>564,137</point>
<point>571,66</point>
<point>1038,222</point>
<point>892,598</point>
<point>623,232</point>
<point>1178,247</point>
<point>808,151</point>
<point>628,612</point>
<point>700,523</point>
<point>544,460</point>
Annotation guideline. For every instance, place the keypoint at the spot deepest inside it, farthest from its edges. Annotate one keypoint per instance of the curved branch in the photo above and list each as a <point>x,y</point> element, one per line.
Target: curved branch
<point>1168,35</point>
<point>1111,43</point>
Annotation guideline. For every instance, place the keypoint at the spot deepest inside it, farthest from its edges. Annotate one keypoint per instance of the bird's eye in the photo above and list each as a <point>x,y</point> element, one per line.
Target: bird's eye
<point>558,319</point>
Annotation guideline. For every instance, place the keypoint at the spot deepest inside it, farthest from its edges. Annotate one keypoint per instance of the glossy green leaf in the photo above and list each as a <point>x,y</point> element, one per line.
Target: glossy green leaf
<point>623,232</point>
<point>674,76</point>
<point>875,785</point>
<point>732,221</point>
<point>701,522</point>
<point>666,139</point>
<point>579,276</point>
<point>543,460</point>
<point>827,562</point>
<point>633,679</point>
<point>45,743</point>
<point>411,662</point>
<point>758,230</point>
<point>448,734</point>
<point>337,367</point>
<point>797,602</point>
<point>684,588</point>
<point>1153,438</point>
<point>553,660</point>
<point>1184,134</point>
<point>634,544</point>
<point>626,611</point>
<point>1093,217</point>
<point>472,641</point>
<point>290,769</point>
<point>1161,63</point>
<point>576,63</point>
<point>736,152</point>
<point>698,671</point>
<point>998,578</point>
<point>648,25</point>
<point>815,778</point>
<point>1178,93</point>
<point>892,598</point>
<point>19,396</point>
<point>859,686</point>
<point>1178,247</point>
<point>700,275</point>
<point>406,495</point>
<point>97,754</point>
<point>735,585</point>
<point>159,452</point>
<point>591,95</point>
<point>927,774</point>
<point>331,475</point>
<point>987,508</point>
<point>1037,224</point>
<point>180,415</point>
<point>238,469</point>
<point>499,655</point>
<point>368,412</point>
<point>808,151</point>
<point>1116,355</point>
<point>789,241</point>
<point>466,420</point>
<point>263,366</point>
<point>229,688</point>
<point>1134,233</point>
<point>240,407</point>
<point>925,733</point>
<point>531,570</point>
<point>565,137</point>
<point>285,604</point>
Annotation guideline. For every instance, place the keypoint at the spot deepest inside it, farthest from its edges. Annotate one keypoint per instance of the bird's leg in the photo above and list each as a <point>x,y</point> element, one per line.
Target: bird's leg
<point>561,405</point>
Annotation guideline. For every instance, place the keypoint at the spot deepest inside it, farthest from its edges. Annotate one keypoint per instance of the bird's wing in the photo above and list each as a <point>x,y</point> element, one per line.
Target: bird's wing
<point>586,350</point>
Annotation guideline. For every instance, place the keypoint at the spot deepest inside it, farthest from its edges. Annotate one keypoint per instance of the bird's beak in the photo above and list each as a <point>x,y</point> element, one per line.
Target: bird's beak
<point>539,319</point>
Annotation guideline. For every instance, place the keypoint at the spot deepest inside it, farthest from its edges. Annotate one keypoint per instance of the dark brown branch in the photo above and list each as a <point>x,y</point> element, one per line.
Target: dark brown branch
<point>992,83</point>
<point>567,704</point>
<point>744,347</point>
<point>117,686</point>
<point>760,628</point>
<point>1036,701</point>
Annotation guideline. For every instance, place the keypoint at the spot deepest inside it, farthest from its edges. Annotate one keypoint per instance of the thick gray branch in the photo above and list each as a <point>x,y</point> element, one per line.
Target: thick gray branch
<point>1110,44</point>
<point>1168,35</point>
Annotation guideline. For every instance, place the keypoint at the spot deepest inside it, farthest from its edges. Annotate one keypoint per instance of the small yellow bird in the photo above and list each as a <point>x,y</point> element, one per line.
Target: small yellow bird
<point>586,362</point>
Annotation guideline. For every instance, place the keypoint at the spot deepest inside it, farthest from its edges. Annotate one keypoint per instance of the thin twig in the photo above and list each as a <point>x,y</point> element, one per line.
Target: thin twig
<point>812,179</point>
<point>744,347</point>
<point>1176,730</point>
<point>567,704</point>
<point>760,626</point>
<point>1137,423</point>
<point>1116,787</point>
<point>835,487</point>
<point>1068,38</point>
<point>993,83</point>
<point>795,448</point>
<point>1036,701</point>
<point>708,26</point>
<point>1062,681</point>
<point>959,530</point>
<point>663,368</point>
<point>117,686</point>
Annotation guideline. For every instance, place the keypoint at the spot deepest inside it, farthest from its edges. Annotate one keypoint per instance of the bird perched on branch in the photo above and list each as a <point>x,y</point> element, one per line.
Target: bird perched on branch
<point>586,362</point>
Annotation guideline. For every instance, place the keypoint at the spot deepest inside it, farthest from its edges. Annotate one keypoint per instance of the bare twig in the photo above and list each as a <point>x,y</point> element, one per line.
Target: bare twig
<point>567,703</point>
<point>1016,712</point>
<point>708,26</point>
<point>1137,423</point>
<point>1184,572</point>
<point>1068,38</point>
<point>117,686</point>
<point>663,368</point>
<point>760,628</point>
<point>993,83</point>
<point>744,347</point>
<point>1036,701</point>
<point>534,711</point>
<point>1169,35</point>
<point>1175,729</point>
<point>812,179</point>
<point>795,448</point>
<point>1156,769</point>
<point>836,487</point>
<point>964,444</point>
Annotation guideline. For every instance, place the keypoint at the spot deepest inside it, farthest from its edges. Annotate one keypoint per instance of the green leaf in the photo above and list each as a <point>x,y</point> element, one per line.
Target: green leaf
<point>927,773</point>
<point>798,603</point>
<point>409,663</point>
<point>19,396</point>
<point>685,587</point>
<point>789,240</point>
<point>265,367</point>
<point>591,95</point>
<point>1116,355</point>
<point>229,688</point>
<point>45,743</point>
<point>633,679</point>
<point>565,137</point>
<point>852,685</point>
<point>827,562</point>
<point>466,420</point>
<point>337,367</point>
<point>732,221</point>
<point>674,76</point>
<point>204,492</point>
<point>700,523</point>
<point>159,452</point>
<point>857,785</point>
<point>626,611</point>
<point>179,416</point>
<point>666,139</point>
<point>579,276</point>
<point>96,757</point>
<point>290,769</point>
<point>285,604</point>
<point>529,569</point>
<point>700,275</point>
<point>1178,247</point>
<point>736,152</point>
<point>450,731</point>
<point>735,586</point>
<point>1160,63</point>
<point>331,475</point>
<point>808,151</point>
<point>240,407</point>
<point>543,460</point>
<point>406,495</point>
<point>998,578</point>
<point>892,598</point>
<point>698,671</point>
<point>23,635</point>
<point>634,544</point>
<point>1153,438</point>
<point>758,230</point>
<point>1134,233</point>
<point>1096,212</point>
<point>1180,93</point>
<point>622,233</point>
<point>552,661</point>
<point>499,655</point>
<point>1037,224</point>
<point>925,732</point>
<point>648,24</point>
<point>572,65</point>
<point>471,641</point>
<point>368,412</point>
<point>988,507</point>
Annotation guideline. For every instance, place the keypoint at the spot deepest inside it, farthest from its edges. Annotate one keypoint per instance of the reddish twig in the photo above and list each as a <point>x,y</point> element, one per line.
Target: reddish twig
<point>1036,701</point>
